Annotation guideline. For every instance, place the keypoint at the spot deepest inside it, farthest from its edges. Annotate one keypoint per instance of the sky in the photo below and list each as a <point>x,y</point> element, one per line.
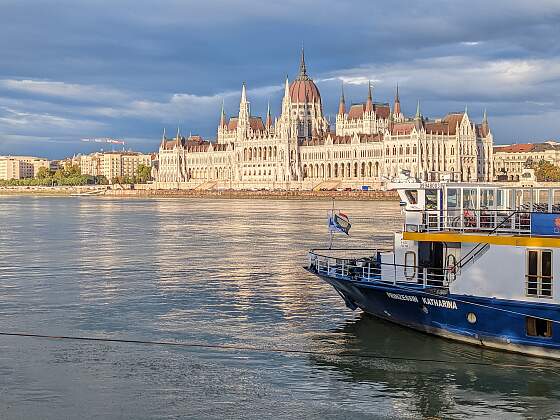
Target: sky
<point>75,69</point>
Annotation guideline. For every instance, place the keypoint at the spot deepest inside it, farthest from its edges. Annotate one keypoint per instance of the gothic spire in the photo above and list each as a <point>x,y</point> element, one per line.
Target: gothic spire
<point>268,116</point>
<point>243,93</point>
<point>223,116</point>
<point>485,117</point>
<point>418,115</point>
<point>302,69</point>
<point>342,104</point>
<point>397,104</point>
<point>369,103</point>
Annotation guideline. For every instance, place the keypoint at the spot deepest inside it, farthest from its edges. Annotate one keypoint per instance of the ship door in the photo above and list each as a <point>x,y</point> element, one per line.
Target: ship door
<point>430,261</point>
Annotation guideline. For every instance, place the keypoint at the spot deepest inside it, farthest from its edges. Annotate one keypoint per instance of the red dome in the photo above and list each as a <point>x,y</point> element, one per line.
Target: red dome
<point>302,91</point>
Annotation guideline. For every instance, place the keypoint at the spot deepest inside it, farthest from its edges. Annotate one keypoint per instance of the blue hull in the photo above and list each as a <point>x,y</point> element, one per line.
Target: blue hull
<point>494,323</point>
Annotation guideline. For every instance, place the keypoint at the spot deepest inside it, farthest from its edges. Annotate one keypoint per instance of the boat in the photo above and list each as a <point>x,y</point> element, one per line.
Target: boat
<point>473,262</point>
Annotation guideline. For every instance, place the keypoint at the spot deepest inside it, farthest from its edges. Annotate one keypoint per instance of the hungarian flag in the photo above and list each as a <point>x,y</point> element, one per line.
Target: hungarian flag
<point>339,222</point>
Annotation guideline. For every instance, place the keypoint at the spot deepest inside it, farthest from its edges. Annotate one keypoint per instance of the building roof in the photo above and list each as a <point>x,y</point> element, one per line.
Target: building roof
<point>515,148</point>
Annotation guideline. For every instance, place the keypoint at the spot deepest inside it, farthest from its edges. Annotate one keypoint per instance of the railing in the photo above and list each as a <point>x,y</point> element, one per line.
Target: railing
<point>372,268</point>
<point>495,221</point>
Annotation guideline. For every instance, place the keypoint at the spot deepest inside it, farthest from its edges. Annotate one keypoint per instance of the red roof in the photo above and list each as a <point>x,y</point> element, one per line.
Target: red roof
<point>304,91</point>
<point>515,148</point>
<point>356,112</point>
<point>402,128</point>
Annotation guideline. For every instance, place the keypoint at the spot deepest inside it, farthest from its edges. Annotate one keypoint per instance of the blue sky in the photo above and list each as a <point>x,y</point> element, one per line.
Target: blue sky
<point>76,69</point>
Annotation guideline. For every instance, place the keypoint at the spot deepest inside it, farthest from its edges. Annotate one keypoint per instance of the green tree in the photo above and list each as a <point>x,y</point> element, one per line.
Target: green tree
<point>144,173</point>
<point>546,171</point>
<point>43,173</point>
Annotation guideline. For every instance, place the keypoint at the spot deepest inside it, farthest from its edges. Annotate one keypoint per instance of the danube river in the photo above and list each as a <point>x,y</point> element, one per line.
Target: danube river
<point>225,273</point>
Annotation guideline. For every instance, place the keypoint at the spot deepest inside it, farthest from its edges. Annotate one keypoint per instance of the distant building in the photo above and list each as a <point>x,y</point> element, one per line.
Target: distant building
<point>511,161</point>
<point>370,144</point>
<point>19,167</point>
<point>111,164</point>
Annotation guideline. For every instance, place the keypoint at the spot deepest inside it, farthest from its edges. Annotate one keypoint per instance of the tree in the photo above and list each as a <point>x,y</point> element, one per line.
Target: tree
<point>546,171</point>
<point>144,173</point>
<point>43,173</point>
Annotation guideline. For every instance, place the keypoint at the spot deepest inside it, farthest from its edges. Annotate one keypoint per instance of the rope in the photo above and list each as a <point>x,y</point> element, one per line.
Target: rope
<point>229,347</point>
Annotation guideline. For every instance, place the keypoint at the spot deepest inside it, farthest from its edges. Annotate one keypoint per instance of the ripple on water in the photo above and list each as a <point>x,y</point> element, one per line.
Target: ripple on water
<point>220,272</point>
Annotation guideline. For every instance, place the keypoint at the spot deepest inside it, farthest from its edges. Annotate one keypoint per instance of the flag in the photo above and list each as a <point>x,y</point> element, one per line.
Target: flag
<point>339,222</point>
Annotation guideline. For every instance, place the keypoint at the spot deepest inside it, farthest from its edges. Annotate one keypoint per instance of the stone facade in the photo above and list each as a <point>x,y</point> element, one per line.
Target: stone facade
<point>370,144</point>
<point>512,161</point>
<point>18,167</point>
<point>111,164</point>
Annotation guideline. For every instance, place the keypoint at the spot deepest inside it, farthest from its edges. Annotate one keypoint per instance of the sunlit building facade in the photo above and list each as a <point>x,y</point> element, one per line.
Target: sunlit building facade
<point>372,142</point>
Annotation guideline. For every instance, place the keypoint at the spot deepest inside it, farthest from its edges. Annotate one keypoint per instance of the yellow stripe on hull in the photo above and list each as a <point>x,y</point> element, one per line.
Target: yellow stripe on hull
<point>482,239</point>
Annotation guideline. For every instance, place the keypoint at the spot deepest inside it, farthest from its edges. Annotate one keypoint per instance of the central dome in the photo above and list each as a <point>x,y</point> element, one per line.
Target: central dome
<point>303,89</point>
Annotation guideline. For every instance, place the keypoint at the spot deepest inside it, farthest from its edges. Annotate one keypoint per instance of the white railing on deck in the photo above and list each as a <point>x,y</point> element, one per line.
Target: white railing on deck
<point>369,269</point>
<point>495,221</point>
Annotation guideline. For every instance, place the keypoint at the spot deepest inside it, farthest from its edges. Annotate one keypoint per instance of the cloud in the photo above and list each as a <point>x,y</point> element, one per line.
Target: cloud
<point>128,68</point>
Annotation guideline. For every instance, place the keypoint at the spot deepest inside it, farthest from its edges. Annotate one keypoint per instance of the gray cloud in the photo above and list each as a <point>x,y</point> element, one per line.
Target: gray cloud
<point>129,68</point>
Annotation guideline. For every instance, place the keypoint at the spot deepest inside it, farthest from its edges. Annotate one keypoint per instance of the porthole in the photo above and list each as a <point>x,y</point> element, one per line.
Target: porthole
<point>471,317</point>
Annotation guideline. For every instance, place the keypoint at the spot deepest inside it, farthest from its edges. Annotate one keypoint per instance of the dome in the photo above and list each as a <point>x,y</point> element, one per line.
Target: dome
<point>302,91</point>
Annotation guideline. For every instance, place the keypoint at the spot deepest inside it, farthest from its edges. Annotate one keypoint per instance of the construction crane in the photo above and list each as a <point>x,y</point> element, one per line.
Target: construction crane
<point>105,140</point>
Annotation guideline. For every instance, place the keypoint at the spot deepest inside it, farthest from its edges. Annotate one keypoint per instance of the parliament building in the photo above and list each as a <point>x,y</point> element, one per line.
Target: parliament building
<point>370,144</point>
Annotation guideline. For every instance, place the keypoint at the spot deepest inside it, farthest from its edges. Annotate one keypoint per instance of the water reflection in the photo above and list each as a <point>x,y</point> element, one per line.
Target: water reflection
<point>468,381</point>
<point>218,272</point>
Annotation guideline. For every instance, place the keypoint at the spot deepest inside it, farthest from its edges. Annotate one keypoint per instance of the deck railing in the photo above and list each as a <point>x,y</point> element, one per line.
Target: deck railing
<point>372,268</point>
<point>496,221</point>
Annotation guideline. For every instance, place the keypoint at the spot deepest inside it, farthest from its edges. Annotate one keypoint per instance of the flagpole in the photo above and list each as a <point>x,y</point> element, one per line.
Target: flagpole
<point>330,230</point>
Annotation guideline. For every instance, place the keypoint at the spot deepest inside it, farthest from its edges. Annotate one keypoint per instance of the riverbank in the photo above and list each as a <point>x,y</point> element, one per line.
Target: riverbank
<point>102,191</point>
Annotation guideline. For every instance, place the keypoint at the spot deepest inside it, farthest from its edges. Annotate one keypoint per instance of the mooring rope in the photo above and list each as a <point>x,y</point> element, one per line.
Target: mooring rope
<point>237,347</point>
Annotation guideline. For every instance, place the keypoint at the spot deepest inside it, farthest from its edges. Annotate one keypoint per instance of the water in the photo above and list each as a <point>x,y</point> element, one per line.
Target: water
<point>220,272</point>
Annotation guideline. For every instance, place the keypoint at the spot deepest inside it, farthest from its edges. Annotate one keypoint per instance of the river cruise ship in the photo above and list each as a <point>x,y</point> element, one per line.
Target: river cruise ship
<point>478,263</point>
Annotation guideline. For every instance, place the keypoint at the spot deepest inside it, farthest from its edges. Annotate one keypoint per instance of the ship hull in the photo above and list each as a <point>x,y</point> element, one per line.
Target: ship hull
<point>492,323</point>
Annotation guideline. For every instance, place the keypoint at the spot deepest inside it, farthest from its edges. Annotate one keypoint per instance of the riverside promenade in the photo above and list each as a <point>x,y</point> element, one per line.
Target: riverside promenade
<point>130,192</point>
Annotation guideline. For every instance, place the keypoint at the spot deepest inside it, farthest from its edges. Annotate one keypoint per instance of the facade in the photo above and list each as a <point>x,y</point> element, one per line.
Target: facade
<point>370,144</point>
<point>511,161</point>
<point>111,164</point>
<point>18,167</point>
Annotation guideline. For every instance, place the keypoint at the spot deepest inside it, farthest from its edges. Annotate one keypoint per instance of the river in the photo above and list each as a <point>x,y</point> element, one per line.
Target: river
<point>227,273</point>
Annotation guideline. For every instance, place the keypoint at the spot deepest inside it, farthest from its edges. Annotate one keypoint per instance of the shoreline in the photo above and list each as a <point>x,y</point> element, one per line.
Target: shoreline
<point>376,195</point>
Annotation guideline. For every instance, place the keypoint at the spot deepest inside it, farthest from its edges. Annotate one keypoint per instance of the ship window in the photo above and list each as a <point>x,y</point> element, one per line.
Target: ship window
<point>537,327</point>
<point>451,198</point>
<point>431,199</point>
<point>539,273</point>
<point>469,199</point>
<point>412,196</point>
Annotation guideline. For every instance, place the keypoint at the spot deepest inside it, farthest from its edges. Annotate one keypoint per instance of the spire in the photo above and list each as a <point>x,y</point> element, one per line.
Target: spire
<point>302,69</point>
<point>342,104</point>
<point>268,116</point>
<point>178,133</point>
<point>369,103</point>
<point>397,104</point>
<point>466,109</point>
<point>223,116</point>
<point>287,88</point>
<point>485,117</point>
<point>243,93</point>
<point>418,115</point>
<point>163,138</point>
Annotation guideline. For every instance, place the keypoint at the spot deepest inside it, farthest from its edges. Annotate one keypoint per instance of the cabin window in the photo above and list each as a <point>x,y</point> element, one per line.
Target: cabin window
<point>431,199</point>
<point>412,196</point>
<point>537,327</point>
<point>469,199</point>
<point>539,273</point>
<point>451,198</point>
<point>409,264</point>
